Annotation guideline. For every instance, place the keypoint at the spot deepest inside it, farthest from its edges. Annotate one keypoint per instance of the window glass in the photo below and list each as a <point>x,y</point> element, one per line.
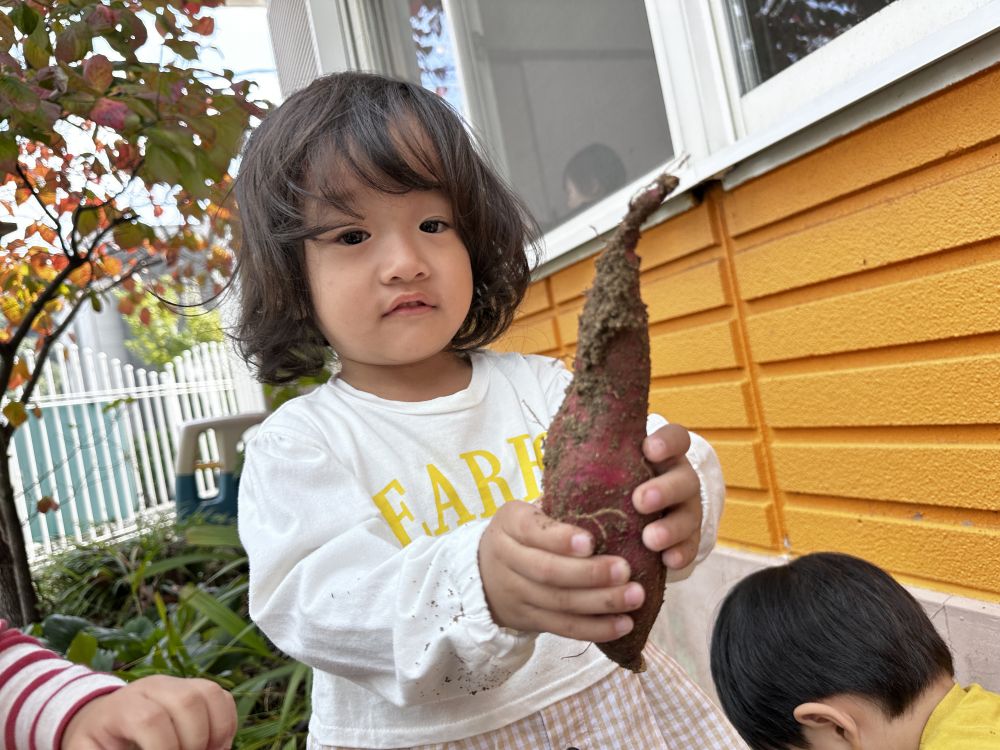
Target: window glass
<point>566,92</point>
<point>771,35</point>
<point>435,52</point>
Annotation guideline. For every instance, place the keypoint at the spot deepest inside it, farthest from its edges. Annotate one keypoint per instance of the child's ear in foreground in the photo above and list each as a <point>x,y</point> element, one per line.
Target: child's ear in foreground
<point>826,725</point>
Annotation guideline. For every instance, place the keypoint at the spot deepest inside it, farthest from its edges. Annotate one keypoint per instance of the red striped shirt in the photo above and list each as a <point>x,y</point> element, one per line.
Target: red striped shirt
<point>40,691</point>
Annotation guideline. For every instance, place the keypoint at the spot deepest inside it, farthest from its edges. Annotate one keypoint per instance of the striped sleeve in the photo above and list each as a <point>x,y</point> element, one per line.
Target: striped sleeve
<point>40,692</point>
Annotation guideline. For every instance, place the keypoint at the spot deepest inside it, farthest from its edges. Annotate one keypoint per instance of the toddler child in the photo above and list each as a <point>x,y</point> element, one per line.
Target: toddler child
<point>830,653</point>
<point>387,515</point>
<point>48,703</point>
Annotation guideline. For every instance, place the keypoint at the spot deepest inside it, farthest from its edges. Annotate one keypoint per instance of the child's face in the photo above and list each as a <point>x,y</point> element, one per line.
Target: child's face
<point>390,286</point>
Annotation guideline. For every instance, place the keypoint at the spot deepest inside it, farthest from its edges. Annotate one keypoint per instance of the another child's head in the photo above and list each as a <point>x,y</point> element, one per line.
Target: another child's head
<point>592,173</point>
<point>804,653</point>
<point>343,139</point>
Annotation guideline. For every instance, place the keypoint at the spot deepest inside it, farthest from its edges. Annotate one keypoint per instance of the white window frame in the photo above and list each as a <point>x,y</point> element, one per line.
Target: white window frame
<point>898,40</point>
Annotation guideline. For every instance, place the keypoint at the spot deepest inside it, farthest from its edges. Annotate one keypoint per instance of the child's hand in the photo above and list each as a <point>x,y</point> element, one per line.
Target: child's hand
<point>676,490</point>
<point>539,576</point>
<point>155,713</point>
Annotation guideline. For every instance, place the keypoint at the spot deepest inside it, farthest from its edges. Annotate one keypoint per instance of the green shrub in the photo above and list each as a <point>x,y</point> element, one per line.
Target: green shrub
<point>174,601</point>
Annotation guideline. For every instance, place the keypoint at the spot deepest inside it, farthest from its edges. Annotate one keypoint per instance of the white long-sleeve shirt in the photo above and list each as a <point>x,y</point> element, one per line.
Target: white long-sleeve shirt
<point>362,518</point>
<point>40,692</point>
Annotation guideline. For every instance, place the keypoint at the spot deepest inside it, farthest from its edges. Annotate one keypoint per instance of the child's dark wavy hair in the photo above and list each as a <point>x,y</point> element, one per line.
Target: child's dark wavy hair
<point>825,624</point>
<point>395,137</point>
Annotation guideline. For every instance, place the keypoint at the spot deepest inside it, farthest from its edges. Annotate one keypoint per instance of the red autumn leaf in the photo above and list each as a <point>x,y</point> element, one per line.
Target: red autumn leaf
<point>125,156</point>
<point>203,26</point>
<point>19,375</point>
<point>125,306</point>
<point>48,234</point>
<point>110,113</point>
<point>100,19</point>
<point>97,71</point>
<point>145,316</point>
<point>47,504</point>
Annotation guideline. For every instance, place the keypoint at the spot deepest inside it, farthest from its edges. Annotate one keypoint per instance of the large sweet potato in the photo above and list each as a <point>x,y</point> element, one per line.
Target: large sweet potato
<point>593,451</point>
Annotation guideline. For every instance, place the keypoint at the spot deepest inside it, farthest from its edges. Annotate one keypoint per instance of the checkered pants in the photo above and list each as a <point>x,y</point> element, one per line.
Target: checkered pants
<point>660,709</point>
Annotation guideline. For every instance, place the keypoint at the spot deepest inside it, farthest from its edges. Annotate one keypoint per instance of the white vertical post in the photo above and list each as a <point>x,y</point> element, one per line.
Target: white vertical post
<point>43,524</point>
<point>162,425</point>
<point>58,412</point>
<point>123,457</point>
<point>114,508</point>
<point>113,372</point>
<point>91,436</point>
<point>83,487</point>
<point>50,467</point>
<point>145,431</point>
<point>21,504</point>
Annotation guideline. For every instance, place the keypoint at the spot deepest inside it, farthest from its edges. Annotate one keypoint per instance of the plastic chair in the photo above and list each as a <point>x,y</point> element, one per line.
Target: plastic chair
<point>229,431</point>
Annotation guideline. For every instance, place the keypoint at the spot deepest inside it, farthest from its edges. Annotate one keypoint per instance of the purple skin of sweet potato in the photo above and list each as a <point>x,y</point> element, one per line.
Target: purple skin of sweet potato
<point>593,450</point>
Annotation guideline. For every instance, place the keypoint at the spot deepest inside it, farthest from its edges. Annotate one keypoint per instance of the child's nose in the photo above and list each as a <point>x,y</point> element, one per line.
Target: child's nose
<point>404,262</point>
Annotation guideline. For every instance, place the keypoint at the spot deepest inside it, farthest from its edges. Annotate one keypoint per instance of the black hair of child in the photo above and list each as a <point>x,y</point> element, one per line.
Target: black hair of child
<point>395,137</point>
<point>825,624</point>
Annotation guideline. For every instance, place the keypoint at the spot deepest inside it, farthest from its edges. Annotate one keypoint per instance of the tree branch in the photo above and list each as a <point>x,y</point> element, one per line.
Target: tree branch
<point>45,209</point>
<point>44,351</point>
<point>103,204</point>
<point>51,339</point>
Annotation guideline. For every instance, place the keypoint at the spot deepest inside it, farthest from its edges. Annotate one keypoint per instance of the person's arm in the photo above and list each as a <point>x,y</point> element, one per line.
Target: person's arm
<point>40,692</point>
<point>332,586</point>
<point>49,703</point>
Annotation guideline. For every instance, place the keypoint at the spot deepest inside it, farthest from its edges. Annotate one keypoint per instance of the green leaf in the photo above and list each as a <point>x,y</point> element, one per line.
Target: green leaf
<point>86,222</point>
<point>96,303</point>
<point>291,693</point>
<point>158,567</point>
<point>25,18</point>
<point>7,37</point>
<point>83,649</point>
<point>218,613</point>
<point>213,535</point>
<point>15,413</point>
<point>159,166</point>
<point>60,630</point>
<point>37,49</point>
<point>132,234</point>
<point>8,151</point>
<point>183,48</point>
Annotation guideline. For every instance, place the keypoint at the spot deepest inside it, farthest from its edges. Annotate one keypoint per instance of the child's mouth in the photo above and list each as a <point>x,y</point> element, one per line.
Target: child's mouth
<point>409,307</point>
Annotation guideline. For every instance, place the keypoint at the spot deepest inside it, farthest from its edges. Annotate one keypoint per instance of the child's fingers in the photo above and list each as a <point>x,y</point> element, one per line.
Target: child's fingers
<point>598,629</point>
<point>683,554</point>
<point>203,713</point>
<point>675,486</point>
<point>550,569</point>
<point>148,725</point>
<point>604,601</point>
<point>680,525</point>
<point>529,526</point>
<point>666,444</point>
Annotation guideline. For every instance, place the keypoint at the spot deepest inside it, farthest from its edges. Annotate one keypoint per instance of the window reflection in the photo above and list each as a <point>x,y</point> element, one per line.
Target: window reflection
<point>436,59</point>
<point>771,35</point>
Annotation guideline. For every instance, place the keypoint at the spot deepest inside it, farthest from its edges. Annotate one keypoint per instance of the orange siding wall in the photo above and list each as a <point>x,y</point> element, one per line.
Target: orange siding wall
<point>833,328</point>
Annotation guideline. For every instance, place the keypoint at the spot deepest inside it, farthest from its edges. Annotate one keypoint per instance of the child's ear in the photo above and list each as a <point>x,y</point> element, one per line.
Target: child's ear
<point>828,724</point>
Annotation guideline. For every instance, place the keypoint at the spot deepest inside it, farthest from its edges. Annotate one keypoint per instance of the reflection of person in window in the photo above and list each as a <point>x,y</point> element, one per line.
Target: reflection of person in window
<point>592,173</point>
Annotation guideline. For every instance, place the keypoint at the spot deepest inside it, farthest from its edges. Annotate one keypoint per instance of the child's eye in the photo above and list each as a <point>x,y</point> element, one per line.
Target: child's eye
<point>433,226</point>
<point>353,237</point>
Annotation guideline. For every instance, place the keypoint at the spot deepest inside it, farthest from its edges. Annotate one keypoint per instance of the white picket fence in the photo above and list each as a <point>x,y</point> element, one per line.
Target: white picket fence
<point>104,445</point>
